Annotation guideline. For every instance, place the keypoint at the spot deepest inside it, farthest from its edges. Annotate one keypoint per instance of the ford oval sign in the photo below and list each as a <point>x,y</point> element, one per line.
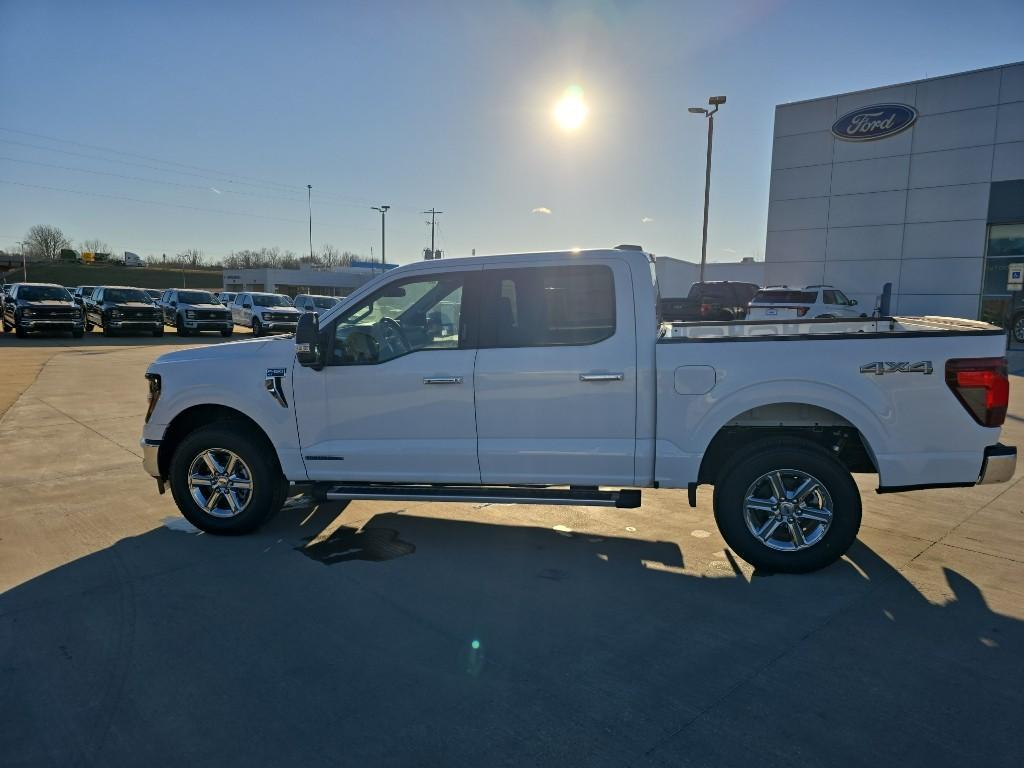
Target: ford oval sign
<point>875,122</point>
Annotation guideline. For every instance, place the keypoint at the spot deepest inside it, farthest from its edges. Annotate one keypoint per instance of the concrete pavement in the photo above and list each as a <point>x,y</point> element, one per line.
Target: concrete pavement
<point>431,634</point>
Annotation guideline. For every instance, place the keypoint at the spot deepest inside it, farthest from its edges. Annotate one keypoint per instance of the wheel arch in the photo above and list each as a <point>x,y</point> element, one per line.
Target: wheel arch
<point>847,429</point>
<point>190,419</point>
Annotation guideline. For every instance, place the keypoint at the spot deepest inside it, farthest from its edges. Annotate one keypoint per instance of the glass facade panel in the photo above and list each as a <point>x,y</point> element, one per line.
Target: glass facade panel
<point>1001,300</point>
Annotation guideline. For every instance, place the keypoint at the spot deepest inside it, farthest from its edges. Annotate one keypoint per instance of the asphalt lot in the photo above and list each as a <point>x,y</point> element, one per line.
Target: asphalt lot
<point>429,634</point>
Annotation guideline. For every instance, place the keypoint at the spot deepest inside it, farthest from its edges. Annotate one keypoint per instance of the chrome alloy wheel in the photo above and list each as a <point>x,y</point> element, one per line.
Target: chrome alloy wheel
<point>787,509</point>
<point>220,482</point>
<point>1018,329</point>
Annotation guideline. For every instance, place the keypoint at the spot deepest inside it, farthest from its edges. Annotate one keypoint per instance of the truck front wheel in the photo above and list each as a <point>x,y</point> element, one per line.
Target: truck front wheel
<point>787,506</point>
<point>225,480</point>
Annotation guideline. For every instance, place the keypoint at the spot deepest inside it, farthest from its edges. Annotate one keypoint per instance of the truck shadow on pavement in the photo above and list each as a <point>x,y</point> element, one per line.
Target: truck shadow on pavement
<point>483,643</point>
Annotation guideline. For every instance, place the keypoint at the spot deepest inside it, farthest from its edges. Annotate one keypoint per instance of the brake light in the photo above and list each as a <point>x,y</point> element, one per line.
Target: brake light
<point>982,386</point>
<point>801,311</point>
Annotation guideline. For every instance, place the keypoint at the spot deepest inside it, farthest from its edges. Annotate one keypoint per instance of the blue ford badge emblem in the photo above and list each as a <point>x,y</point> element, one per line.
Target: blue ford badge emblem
<point>875,122</point>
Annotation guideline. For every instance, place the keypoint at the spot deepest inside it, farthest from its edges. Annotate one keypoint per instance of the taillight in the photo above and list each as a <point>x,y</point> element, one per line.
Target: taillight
<point>154,393</point>
<point>801,311</point>
<point>982,386</point>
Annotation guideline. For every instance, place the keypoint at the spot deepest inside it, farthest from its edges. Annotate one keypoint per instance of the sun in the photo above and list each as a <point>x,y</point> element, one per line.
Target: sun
<point>571,110</point>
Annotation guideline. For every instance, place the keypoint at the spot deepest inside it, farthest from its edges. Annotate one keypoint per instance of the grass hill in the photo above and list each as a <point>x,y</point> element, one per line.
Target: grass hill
<point>108,274</point>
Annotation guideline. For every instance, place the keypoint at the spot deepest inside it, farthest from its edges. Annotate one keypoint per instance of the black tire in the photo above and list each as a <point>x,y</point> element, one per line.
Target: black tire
<point>158,332</point>
<point>77,334</point>
<point>769,455</point>
<point>1017,328</point>
<point>20,332</point>
<point>257,327</point>
<point>107,330</point>
<point>179,326</point>
<point>227,333</point>
<point>269,487</point>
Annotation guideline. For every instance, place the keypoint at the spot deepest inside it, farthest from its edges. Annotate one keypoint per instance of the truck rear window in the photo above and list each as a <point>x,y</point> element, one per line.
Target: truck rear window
<point>784,297</point>
<point>548,306</point>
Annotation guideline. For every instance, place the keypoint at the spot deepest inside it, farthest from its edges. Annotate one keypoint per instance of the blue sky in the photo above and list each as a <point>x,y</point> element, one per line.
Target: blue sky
<point>224,111</point>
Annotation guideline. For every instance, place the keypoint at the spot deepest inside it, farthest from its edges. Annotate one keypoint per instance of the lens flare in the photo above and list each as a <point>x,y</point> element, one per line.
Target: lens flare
<point>571,110</point>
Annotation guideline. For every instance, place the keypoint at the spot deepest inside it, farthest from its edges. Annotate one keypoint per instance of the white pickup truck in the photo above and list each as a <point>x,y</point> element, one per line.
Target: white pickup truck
<point>547,378</point>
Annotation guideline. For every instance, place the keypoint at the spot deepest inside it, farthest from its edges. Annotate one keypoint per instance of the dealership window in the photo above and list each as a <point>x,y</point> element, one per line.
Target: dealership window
<point>1002,296</point>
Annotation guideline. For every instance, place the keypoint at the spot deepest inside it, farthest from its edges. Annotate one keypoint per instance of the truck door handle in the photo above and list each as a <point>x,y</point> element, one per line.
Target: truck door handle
<point>601,377</point>
<point>442,380</point>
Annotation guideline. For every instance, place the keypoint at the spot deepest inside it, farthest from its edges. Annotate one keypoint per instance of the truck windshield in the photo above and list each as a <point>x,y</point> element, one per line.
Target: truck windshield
<point>270,300</point>
<point>44,293</point>
<point>196,297</point>
<point>126,295</point>
<point>324,302</point>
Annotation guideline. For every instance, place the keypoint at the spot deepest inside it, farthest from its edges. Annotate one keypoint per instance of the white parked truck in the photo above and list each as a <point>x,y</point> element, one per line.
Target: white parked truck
<point>547,378</point>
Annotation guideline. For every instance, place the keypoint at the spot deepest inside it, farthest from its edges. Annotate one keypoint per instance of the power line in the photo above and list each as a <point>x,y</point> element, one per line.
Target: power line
<point>207,173</point>
<point>143,157</point>
<point>152,202</point>
<point>149,181</point>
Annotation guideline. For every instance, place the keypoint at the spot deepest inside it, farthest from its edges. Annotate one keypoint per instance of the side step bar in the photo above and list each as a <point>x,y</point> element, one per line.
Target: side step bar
<point>584,497</point>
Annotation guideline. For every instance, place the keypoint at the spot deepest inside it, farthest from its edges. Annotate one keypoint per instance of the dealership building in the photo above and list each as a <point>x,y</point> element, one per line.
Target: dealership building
<point>920,185</point>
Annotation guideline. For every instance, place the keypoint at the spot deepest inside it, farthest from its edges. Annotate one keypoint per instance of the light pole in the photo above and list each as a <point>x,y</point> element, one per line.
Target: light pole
<point>716,102</point>
<point>383,212</point>
<point>24,268</point>
<point>309,202</point>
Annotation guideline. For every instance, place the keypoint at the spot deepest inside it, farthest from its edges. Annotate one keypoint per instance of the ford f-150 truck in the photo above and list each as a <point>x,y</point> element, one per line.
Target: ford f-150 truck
<point>547,378</point>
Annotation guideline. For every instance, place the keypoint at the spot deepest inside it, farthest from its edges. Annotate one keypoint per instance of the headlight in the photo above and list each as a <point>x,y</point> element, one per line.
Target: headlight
<point>115,313</point>
<point>28,312</point>
<point>190,314</point>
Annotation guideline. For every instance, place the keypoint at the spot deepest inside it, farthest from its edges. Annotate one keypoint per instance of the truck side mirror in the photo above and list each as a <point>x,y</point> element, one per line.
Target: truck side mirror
<point>307,341</point>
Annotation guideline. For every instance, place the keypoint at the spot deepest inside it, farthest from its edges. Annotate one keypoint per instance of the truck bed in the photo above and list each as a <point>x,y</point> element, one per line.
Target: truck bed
<point>838,328</point>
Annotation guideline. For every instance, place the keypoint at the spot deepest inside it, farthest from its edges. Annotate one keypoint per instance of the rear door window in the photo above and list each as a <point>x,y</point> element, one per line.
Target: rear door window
<point>547,306</point>
<point>784,296</point>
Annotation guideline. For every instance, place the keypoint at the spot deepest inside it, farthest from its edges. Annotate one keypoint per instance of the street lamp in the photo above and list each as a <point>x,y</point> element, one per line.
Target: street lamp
<point>309,202</point>
<point>383,212</point>
<point>716,102</point>
<point>24,268</point>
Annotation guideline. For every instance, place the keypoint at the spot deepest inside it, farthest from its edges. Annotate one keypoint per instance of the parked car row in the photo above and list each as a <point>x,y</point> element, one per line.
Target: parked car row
<point>725,300</point>
<point>32,307</point>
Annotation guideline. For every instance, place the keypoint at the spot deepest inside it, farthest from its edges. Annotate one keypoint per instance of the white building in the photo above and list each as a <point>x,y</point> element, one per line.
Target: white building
<point>338,281</point>
<point>920,185</point>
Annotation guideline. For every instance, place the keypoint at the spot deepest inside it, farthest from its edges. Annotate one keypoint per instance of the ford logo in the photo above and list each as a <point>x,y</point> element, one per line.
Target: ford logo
<point>875,122</point>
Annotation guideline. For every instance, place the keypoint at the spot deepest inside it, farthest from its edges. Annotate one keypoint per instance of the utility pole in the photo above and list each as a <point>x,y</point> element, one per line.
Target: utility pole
<point>24,267</point>
<point>383,213</point>
<point>433,214</point>
<point>716,102</point>
<point>309,201</point>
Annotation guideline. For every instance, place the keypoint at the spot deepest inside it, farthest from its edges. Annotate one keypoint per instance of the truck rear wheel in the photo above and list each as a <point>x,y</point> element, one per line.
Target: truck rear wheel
<point>224,479</point>
<point>787,506</point>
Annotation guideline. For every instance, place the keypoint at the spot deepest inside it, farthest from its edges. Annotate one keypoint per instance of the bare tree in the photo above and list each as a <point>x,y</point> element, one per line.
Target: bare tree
<point>45,241</point>
<point>329,255</point>
<point>95,245</point>
<point>191,258</point>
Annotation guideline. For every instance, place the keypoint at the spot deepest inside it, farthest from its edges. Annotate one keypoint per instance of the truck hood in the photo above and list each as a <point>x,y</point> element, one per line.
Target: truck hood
<point>202,306</point>
<point>45,304</point>
<point>275,352</point>
<point>283,310</point>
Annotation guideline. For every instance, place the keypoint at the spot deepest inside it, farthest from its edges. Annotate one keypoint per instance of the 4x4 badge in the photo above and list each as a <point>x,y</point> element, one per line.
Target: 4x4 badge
<point>879,368</point>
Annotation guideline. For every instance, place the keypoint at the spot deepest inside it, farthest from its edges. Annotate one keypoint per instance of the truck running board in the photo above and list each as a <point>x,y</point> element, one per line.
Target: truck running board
<point>584,497</point>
